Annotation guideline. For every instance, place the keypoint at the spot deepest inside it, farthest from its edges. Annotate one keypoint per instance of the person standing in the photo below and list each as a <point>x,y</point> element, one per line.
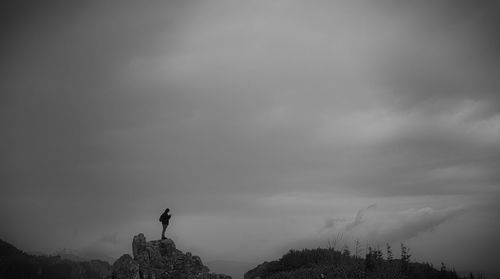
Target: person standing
<point>164,219</point>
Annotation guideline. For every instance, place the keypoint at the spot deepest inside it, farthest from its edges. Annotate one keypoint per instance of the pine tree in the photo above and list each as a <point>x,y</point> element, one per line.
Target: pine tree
<point>389,252</point>
<point>405,260</point>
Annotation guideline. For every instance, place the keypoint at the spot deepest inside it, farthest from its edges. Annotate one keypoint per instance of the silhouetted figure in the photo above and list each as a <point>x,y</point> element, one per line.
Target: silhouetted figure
<point>164,218</point>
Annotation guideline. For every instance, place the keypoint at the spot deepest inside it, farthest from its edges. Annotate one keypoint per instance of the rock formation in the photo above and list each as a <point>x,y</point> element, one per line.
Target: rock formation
<point>160,259</point>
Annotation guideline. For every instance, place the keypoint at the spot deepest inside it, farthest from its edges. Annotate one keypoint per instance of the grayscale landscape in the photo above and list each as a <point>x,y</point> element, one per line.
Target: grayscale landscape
<point>289,139</point>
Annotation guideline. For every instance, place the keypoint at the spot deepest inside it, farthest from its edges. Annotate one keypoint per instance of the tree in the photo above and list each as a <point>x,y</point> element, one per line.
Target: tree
<point>389,252</point>
<point>405,260</point>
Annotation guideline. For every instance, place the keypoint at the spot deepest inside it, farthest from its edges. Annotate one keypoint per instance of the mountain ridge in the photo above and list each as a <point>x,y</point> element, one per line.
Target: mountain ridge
<point>160,259</point>
<point>156,259</point>
<point>328,263</point>
<point>16,264</point>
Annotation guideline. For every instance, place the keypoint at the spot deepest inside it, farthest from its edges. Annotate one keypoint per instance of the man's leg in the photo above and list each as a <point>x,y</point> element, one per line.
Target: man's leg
<point>163,231</point>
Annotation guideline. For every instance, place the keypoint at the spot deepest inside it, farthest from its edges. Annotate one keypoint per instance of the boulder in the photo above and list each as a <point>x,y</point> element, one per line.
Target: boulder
<point>125,268</point>
<point>147,254</point>
<point>160,259</point>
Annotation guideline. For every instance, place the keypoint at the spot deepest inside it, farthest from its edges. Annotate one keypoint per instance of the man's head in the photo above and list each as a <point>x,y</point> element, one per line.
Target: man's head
<point>167,210</point>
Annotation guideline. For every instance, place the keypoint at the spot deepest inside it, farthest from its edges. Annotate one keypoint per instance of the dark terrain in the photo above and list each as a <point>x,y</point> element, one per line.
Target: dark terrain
<point>330,263</point>
<point>15,264</point>
<point>160,259</point>
<point>157,259</point>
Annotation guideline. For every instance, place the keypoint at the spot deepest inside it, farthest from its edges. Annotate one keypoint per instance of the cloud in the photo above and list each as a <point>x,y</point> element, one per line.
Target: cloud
<point>103,248</point>
<point>109,238</point>
<point>329,223</point>
<point>408,224</point>
<point>358,219</point>
<point>377,225</point>
<point>392,227</point>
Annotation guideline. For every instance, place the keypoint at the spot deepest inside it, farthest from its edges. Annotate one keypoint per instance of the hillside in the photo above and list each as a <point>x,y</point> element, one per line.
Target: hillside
<point>15,264</point>
<point>159,259</point>
<point>330,263</point>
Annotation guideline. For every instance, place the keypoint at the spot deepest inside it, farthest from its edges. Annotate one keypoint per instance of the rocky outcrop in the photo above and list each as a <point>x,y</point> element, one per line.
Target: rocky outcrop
<point>160,259</point>
<point>125,268</point>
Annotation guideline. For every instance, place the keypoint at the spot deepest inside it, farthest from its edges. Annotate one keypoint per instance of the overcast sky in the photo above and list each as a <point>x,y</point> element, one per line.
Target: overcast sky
<point>263,125</point>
